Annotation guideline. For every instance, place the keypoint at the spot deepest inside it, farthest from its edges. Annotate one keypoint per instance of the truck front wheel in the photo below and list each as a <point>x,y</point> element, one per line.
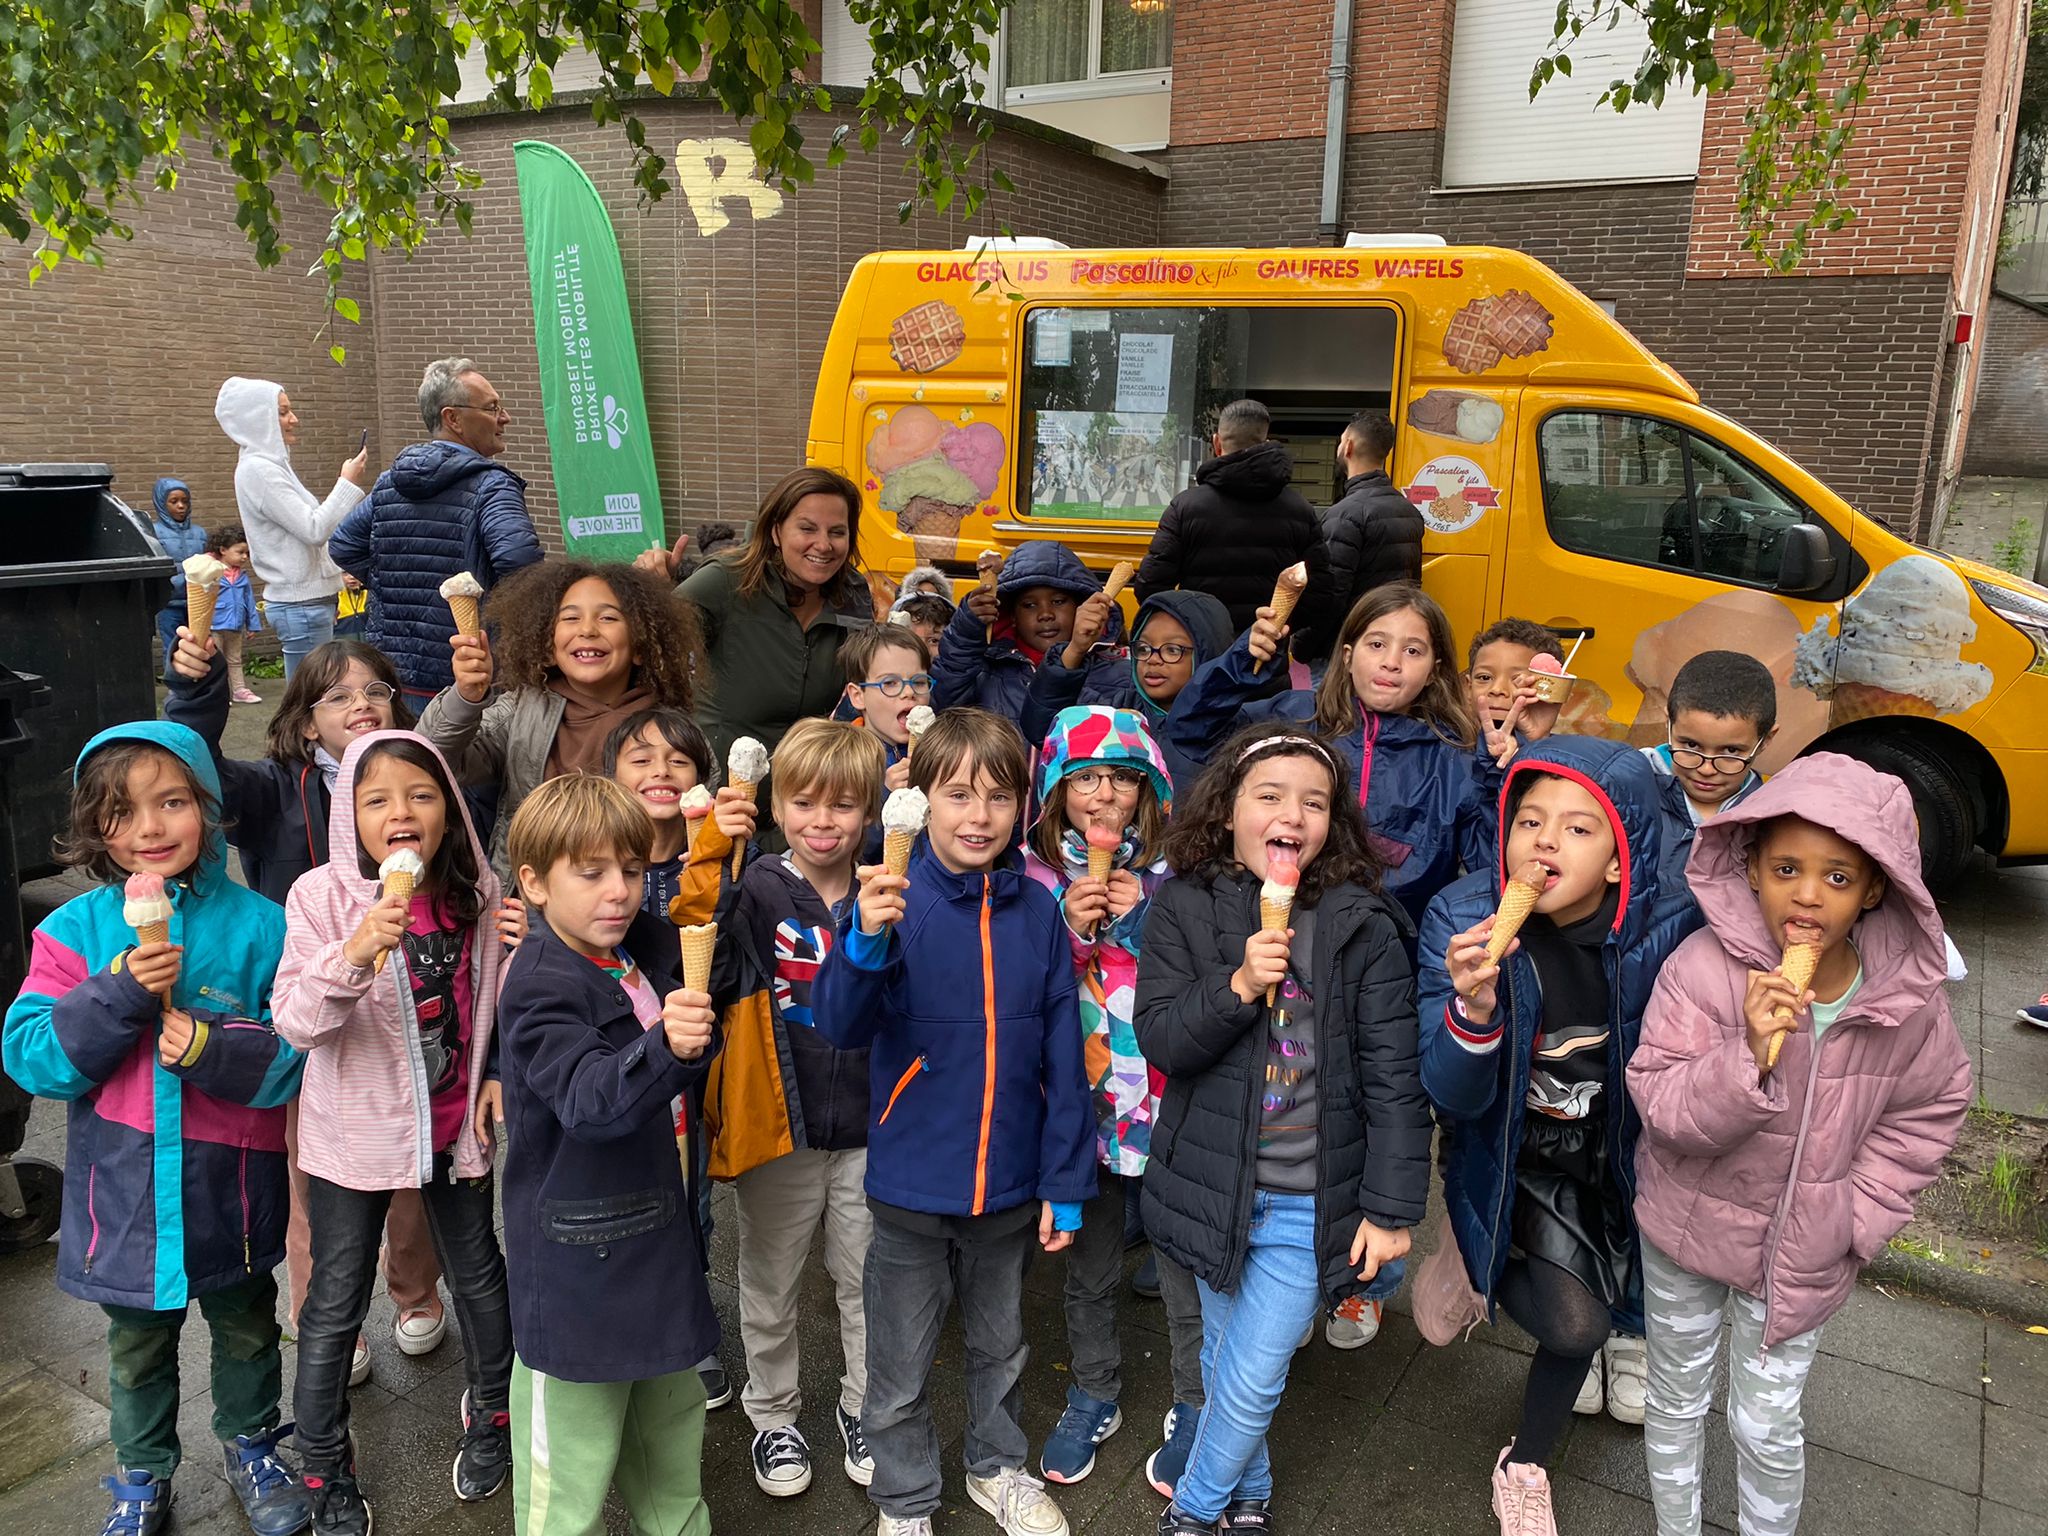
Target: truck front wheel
<point>1947,809</point>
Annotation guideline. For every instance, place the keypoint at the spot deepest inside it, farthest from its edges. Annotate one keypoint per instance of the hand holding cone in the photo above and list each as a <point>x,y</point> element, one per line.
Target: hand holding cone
<point>1103,842</point>
<point>987,566</point>
<point>146,907</point>
<point>462,592</point>
<point>202,591</point>
<point>401,876</point>
<point>903,817</point>
<point>1798,966</point>
<point>1517,901</point>
<point>746,765</point>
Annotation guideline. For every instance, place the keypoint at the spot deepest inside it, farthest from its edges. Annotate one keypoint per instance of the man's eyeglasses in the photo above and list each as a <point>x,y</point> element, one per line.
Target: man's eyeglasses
<point>1724,762</point>
<point>371,693</point>
<point>1088,780</point>
<point>488,407</point>
<point>1173,653</point>
<point>892,686</point>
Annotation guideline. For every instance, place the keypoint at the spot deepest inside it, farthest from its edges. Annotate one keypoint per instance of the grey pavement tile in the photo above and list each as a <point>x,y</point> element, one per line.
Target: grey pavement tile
<point>2000,1520</point>
<point>1472,1389</point>
<point>2017,1363</point>
<point>1610,1454</point>
<point>1366,1375</point>
<point>43,1422</point>
<point>68,1500</point>
<point>2015,1468</point>
<point>1588,1509</point>
<point>1921,1430</point>
<point>2014,1097</point>
<point>1408,1477</point>
<point>1911,1337</point>
<point>1846,1496</point>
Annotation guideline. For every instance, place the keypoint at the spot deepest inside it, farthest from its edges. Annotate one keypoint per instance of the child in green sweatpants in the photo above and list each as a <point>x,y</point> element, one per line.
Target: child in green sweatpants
<point>601,1235</point>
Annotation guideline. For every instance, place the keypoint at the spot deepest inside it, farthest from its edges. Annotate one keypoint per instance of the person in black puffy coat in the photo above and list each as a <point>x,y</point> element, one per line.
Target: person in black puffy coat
<point>444,506</point>
<point>1374,533</point>
<point>1241,524</point>
<point>1292,1152</point>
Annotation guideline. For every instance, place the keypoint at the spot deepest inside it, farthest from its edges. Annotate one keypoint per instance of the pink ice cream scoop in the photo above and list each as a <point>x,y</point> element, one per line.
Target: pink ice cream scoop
<point>905,438</point>
<point>977,452</point>
<point>1543,661</point>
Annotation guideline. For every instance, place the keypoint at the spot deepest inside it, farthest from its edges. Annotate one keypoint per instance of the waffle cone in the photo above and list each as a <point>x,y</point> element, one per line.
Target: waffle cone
<point>1274,914</point>
<point>155,933</point>
<point>1285,595</point>
<point>199,603</point>
<point>1798,966</point>
<point>739,850</point>
<point>394,885</point>
<point>699,940</point>
<point>467,620</point>
<point>1120,576</point>
<point>1516,903</point>
<point>1860,701</point>
<point>1100,861</point>
<point>896,848</point>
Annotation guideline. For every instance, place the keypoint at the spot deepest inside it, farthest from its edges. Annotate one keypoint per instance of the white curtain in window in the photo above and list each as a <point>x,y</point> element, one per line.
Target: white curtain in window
<point>1048,42</point>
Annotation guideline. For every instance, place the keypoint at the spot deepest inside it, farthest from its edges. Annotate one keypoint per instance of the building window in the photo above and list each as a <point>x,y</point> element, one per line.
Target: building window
<point>1069,42</point>
<point>1495,136</point>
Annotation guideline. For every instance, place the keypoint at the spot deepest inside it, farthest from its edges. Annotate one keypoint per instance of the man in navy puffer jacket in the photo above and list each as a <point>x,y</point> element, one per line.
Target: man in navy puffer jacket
<point>444,506</point>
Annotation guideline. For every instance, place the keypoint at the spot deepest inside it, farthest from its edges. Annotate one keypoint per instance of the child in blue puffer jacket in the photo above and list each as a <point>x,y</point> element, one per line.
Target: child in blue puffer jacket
<point>1047,609</point>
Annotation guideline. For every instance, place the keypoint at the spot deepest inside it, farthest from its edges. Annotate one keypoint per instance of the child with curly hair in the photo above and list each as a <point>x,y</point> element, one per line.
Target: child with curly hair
<point>581,649</point>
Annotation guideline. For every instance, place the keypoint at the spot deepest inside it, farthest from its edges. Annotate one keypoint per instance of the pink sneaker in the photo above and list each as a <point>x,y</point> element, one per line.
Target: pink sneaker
<point>1521,1497</point>
<point>247,696</point>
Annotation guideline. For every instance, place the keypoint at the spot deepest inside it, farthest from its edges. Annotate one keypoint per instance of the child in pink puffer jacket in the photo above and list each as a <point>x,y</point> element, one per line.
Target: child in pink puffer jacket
<point>1780,1154</point>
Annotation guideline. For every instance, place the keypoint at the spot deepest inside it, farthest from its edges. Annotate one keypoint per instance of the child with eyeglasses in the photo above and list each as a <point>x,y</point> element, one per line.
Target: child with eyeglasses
<point>888,674</point>
<point>1722,711</point>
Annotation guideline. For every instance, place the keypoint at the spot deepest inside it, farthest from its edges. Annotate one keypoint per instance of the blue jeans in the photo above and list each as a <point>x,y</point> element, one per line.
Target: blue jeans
<point>300,629</point>
<point>1248,1342</point>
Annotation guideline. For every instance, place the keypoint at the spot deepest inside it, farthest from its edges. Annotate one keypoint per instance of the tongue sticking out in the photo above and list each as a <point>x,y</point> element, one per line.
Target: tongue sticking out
<point>1283,863</point>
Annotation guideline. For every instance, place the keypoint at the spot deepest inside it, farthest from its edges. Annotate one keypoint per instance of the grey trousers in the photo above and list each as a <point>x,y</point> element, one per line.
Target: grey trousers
<point>1095,1276</point>
<point>1684,1314</point>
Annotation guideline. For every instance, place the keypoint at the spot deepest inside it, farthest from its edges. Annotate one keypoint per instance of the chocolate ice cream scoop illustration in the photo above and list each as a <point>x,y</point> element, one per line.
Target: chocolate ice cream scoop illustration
<point>1899,650</point>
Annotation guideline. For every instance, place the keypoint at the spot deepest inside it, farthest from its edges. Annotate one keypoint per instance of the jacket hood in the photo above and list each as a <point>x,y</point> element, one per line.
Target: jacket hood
<point>908,589</point>
<point>425,470</point>
<point>1096,733</point>
<point>160,493</point>
<point>1202,616</point>
<point>1043,563</point>
<point>1258,473</point>
<point>1618,777</point>
<point>185,744</point>
<point>1904,961</point>
<point>247,411</point>
<point>343,851</point>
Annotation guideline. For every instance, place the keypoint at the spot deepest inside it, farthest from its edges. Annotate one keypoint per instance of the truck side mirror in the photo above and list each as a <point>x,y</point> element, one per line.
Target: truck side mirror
<point>1805,562</point>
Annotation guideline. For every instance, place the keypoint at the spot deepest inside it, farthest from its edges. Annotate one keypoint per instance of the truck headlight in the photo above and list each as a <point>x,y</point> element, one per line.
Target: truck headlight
<point>2024,612</point>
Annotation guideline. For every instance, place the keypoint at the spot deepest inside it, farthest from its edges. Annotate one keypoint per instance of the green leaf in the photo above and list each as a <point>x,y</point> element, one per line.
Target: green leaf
<point>349,310</point>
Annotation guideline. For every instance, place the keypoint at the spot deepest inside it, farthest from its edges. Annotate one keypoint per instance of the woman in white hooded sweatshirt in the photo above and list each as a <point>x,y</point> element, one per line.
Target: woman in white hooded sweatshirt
<point>287,525</point>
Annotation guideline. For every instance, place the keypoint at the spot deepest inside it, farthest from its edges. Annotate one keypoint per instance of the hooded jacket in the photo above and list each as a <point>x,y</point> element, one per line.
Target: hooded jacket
<point>180,540</point>
<point>1372,1121</point>
<point>1785,1185</point>
<point>1429,802</point>
<point>1233,532</point>
<point>1374,534</point>
<point>174,1177</point>
<point>1678,827</point>
<point>288,526</point>
<point>365,1120</point>
<point>1479,1078</point>
<point>604,1259</point>
<point>779,1084</point>
<point>977,1100</point>
<point>1105,960</point>
<point>995,673</point>
<point>441,509</point>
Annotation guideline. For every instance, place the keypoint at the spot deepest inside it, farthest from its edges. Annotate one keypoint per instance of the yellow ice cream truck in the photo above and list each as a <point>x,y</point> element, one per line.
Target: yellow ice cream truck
<point>1021,391</point>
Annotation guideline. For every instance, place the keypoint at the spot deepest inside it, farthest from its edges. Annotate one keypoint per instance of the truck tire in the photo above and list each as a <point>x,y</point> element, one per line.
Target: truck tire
<point>1947,809</point>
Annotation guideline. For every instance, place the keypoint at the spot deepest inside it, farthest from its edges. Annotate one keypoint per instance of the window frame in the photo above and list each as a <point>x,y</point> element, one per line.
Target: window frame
<point>1847,565</point>
<point>1097,82</point>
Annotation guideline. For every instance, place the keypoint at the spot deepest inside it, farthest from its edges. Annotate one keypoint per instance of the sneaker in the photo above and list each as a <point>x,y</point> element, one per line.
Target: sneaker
<point>2036,1015</point>
<point>1355,1323</point>
<point>782,1461</point>
<point>339,1508</point>
<point>483,1456</point>
<point>1145,1282</point>
<point>142,1503</point>
<point>914,1525</point>
<point>717,1385</point>
<point>1019,1503</point>
<point>1306,1334</point>
<point>1069,1453</point>
<point>1247,1515</point>
<point>271,1494</point>
<point>1521,1498</point>
<point>860,1463</point>
<point>359,1362</point>
<point>1628,1379</point>
<point>1173,1523</point>
<point>1165,1465</point>
<point>421,1330</point>
<point>1592,1395</point>
<point>246,696</point>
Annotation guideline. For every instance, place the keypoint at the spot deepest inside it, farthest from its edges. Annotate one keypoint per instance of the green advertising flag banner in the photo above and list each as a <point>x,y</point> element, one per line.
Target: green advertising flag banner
<point>589,371</point>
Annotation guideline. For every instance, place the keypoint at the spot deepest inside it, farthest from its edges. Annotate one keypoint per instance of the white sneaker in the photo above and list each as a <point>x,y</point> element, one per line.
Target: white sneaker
<point>1628,1379</point>
<point>420,1332</point>
<point>359,1362</point>
<point>1019,1503</point>
<point>916,1525</point>
<point>1355,1323</point>
<point>1591,1396</point>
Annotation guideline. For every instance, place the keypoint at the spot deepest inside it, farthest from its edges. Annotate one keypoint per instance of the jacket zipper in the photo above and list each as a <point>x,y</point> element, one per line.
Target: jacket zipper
<point>988,1070</point>
<point>92,1179</point>
<point>903,1082</point>
<point>1777,1233</point>
<point>242,1176</point>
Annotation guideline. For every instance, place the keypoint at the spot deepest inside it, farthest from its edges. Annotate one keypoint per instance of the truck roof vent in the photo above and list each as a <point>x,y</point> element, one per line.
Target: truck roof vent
<point>1358,239</point>
<point>1016,243</point>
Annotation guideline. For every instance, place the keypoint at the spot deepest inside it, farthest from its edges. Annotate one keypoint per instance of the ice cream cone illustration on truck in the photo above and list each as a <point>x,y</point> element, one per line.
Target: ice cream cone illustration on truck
<point>1898,649</point>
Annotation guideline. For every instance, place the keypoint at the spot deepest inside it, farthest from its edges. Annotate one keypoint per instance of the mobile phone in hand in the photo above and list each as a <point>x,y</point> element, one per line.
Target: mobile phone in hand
<point>363,443</point>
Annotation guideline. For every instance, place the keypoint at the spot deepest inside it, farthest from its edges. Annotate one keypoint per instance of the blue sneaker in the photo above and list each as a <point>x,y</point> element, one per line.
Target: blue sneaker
<point>1070,1448</point>
<point>1165,1465</point>
<point>142,1503</point>
<point>2035,1014</point>
<point>272,1496</point>
<point>1146,1281</point>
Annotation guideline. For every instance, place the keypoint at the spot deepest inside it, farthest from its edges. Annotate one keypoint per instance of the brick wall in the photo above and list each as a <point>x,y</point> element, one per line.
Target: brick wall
<point>2012,382</point>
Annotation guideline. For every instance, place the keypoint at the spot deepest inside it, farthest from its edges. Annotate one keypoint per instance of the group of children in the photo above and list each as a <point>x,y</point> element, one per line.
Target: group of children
<point>994,1051</point>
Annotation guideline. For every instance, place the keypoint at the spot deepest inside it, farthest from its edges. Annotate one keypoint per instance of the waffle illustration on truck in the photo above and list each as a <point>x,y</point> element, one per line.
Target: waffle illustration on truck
<point>1511,324</point>
<point>928,337</point>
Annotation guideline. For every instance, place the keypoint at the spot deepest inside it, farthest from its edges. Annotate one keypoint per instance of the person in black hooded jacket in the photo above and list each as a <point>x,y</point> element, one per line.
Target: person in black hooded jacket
<point>1241,524</point>
<point>1292,1151</point>
<point>1374,533</point>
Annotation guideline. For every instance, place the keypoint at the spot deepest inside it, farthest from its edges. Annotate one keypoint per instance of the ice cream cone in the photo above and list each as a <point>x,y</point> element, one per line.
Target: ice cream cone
<point>698,940</point>
<point>199,603</point>
<point>739,850</point>
<point>155,933</point>
<point>1860,701</point>
<point>1517,901</point>
<point>1798,966</point>
<point>1287,591</point>
<point>1100,861</point>
<point>1120,576</point>
<point>1274,914</point>
<point>896,848</point>
<point>397,883</point>
<point>467,621</point>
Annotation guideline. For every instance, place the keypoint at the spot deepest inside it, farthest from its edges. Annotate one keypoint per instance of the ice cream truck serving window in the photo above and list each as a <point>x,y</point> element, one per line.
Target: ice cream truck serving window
<point>1119,403</point>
